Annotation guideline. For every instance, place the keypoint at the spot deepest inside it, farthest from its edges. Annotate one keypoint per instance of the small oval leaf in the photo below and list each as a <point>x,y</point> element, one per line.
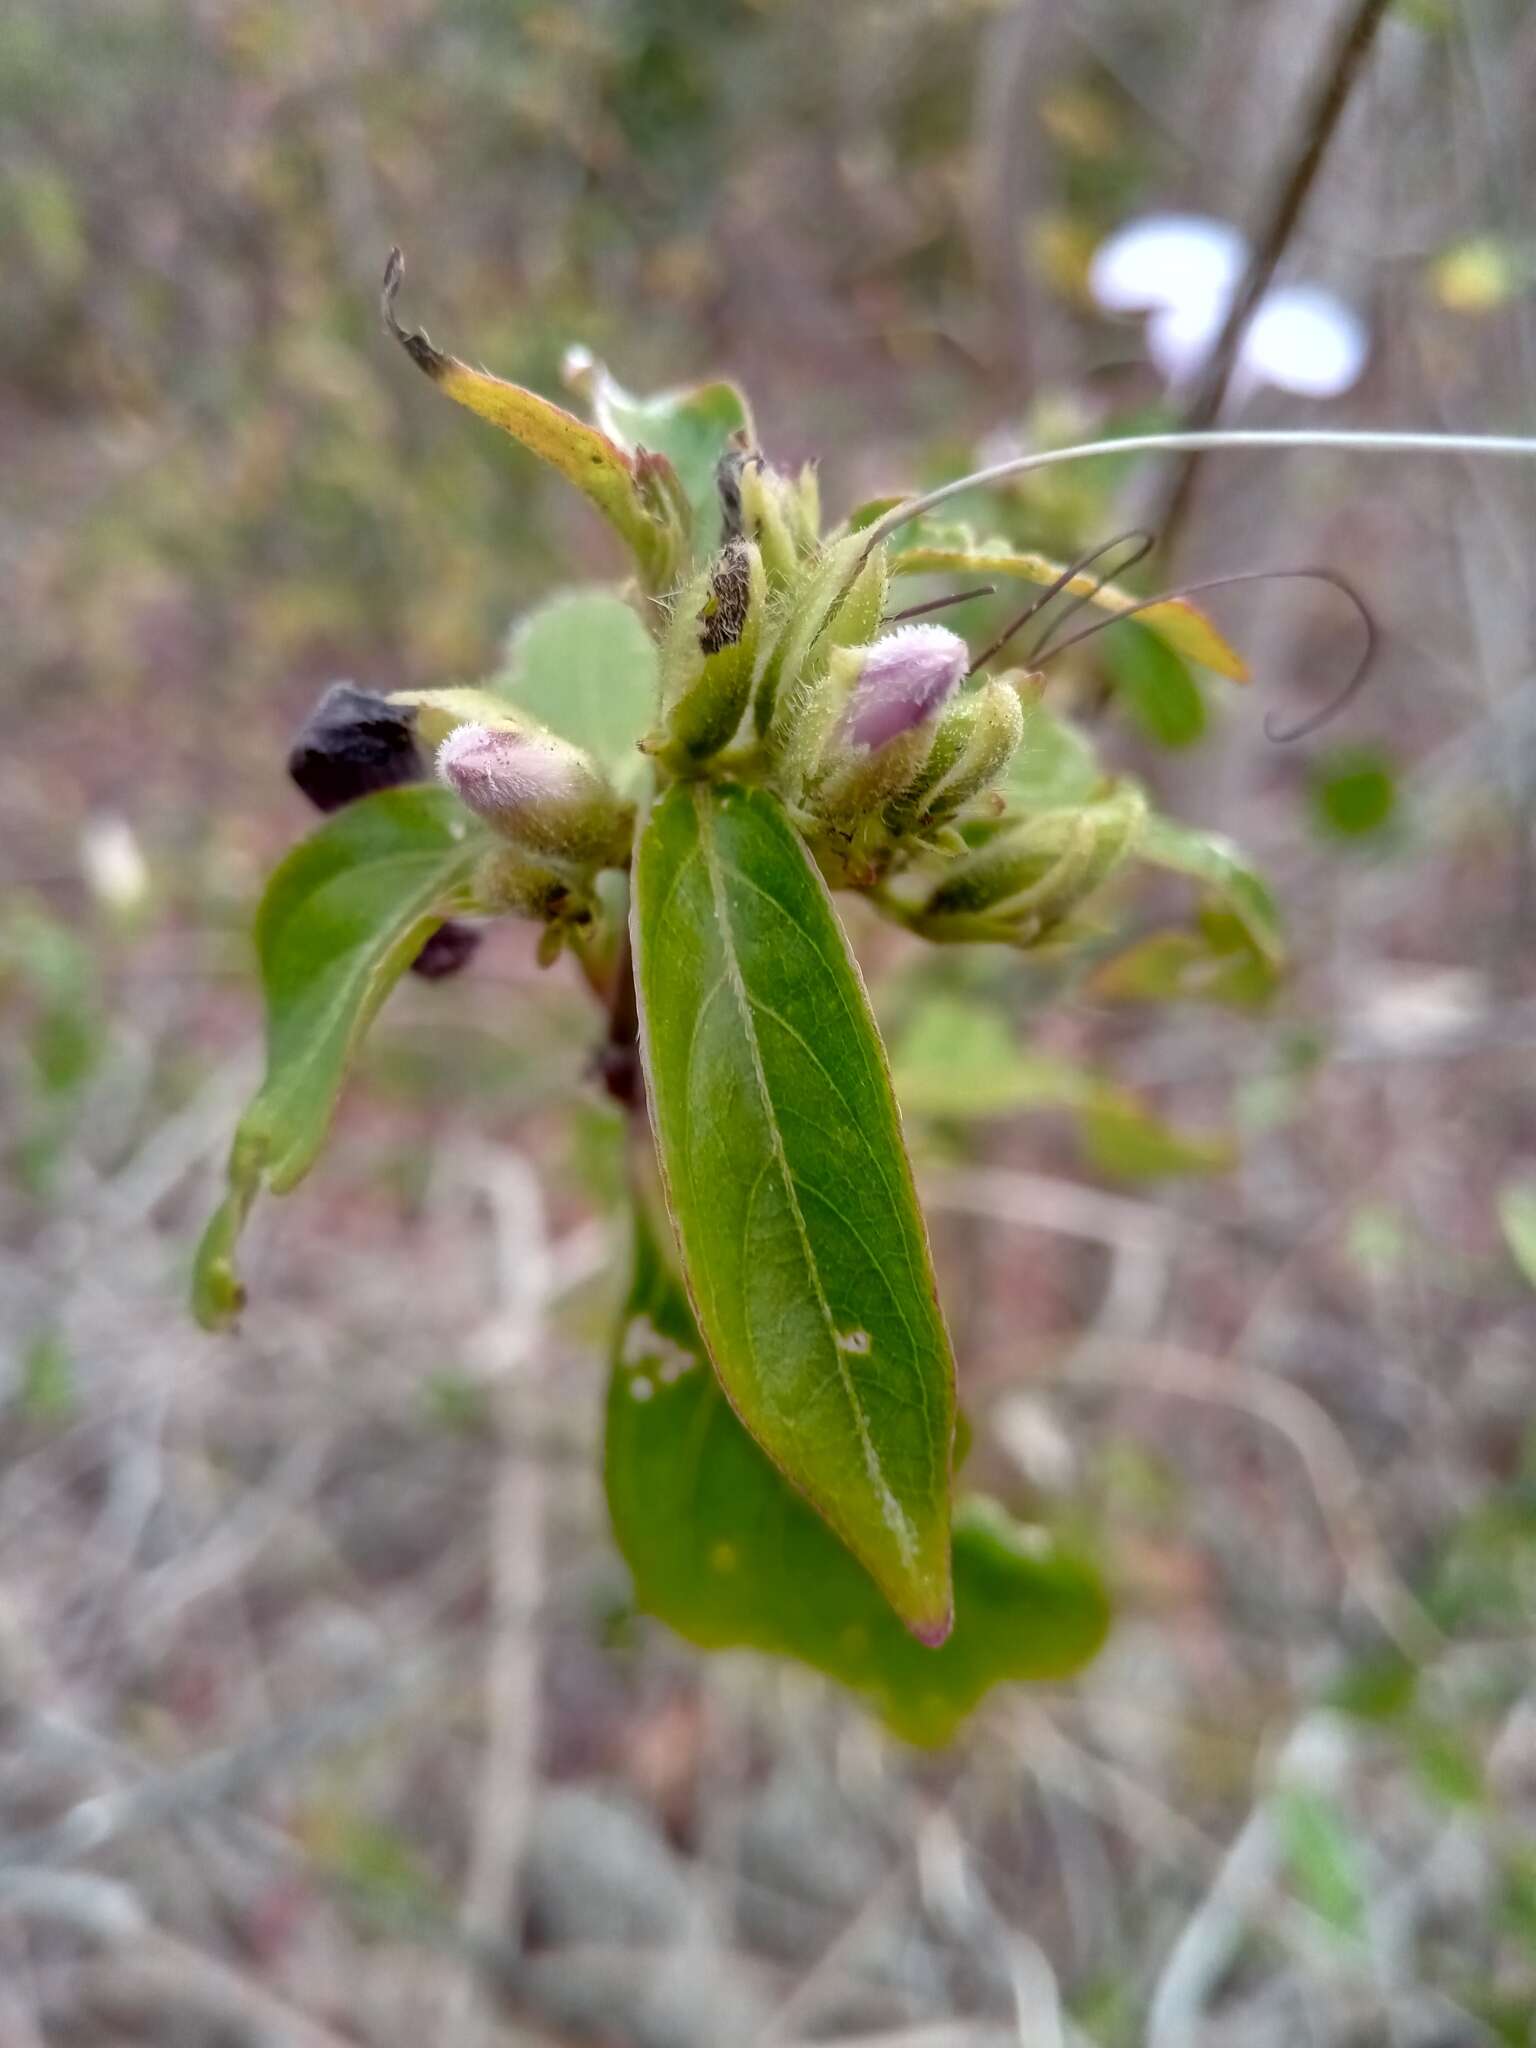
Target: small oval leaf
<point>727,1553</point>
<point>786,1175</point>
<point>1219,865</point>
<point>343,917</point>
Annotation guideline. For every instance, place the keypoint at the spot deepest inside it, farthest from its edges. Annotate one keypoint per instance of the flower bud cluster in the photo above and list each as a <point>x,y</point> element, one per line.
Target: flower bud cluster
<point>1022,884</point>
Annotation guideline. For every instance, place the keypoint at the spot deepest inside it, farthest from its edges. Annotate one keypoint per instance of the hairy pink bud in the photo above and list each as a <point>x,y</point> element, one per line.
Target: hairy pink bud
<point>903,680</point>
<point>540,792</point>
<point>500,773</point>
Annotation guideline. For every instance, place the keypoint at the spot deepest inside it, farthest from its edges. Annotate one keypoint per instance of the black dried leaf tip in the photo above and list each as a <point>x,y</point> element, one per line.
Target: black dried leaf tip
<point>351,744</point>
<point>415,344</point>
<point>449,950</point>
<point>728,484</point>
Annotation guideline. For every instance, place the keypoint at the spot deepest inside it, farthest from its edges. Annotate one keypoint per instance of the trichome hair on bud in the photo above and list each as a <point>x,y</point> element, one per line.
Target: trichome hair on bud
<point>540,792</point>
<point>903,679</point>
<point>724,614</point>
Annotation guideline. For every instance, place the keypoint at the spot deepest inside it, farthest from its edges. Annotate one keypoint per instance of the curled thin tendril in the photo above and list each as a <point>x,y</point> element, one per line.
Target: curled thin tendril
<point>938,604</point>
<point>1280,735</point>
<point>1144,543</point>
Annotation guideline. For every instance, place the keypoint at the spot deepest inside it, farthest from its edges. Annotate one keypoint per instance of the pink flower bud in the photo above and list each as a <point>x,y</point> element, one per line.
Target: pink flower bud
<point>540,792</point>
<point>500,773</point>
<point>904,678</point>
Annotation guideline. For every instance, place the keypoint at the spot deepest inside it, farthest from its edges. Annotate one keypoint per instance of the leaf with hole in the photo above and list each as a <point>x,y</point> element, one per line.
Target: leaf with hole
<point>726,1552</point>
<point>789,1185</point>
<point>342,918</point>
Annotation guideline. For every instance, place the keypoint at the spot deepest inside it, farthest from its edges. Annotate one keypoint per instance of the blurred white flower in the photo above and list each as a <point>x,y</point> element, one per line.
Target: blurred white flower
<point>1182,270</point>
<point>113,866</point>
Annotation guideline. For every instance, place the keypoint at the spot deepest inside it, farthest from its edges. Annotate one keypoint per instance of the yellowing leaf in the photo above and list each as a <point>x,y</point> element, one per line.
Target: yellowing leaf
<point>1177,622</point>
<point>585,457</point>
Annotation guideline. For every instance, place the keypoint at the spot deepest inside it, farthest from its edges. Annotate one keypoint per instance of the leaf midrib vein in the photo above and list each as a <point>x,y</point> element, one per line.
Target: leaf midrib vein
<point>713,867</point>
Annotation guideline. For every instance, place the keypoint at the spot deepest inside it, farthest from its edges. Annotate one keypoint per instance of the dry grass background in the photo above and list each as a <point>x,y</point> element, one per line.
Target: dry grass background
<point>322,1717</point>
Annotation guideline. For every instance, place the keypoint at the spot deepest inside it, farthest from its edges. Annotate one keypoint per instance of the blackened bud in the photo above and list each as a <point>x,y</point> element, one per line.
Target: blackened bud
<point>353,743</point>
<point>449,951</point>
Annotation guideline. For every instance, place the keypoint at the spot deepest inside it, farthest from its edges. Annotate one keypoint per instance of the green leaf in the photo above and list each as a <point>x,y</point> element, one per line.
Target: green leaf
<point>692,427</point>
<point>726,1552</point>
<point>1176,622</point>
<point>1353,792</point>
<point>1054,765</point>
<point>1215,964</point>
<point>47,1396</point>
<point>1324,1866</point>
<point>1378,1686</point>
<point>1125,1139</point>
<point>1447,1764</point>
<point>960,1060</point>
<point>1517,1220</point>
<point>343,917</point>
<point>584,456</point>
<point>789,1185</point>
<point>437,712</point>
<point>584,665</point>
<point>865,514</point>
<point>1222,868</point>
<point>1154,684</point>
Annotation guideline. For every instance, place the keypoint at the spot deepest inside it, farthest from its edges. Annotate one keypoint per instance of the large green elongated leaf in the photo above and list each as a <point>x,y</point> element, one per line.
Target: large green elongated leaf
<point>584,665</point>
<point>728,1554</point>
<point>343,917</point>
<point>1182,625</point>
<point>582,454</point>
<point>781,1149</point>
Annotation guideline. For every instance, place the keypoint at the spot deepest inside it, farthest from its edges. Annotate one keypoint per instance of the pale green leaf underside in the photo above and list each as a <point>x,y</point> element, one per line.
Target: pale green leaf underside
<point>583,665</point>
<point>789,1184</point>
<point>692,427</point>
<point>343,917</point>
<point>729,1555</point>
